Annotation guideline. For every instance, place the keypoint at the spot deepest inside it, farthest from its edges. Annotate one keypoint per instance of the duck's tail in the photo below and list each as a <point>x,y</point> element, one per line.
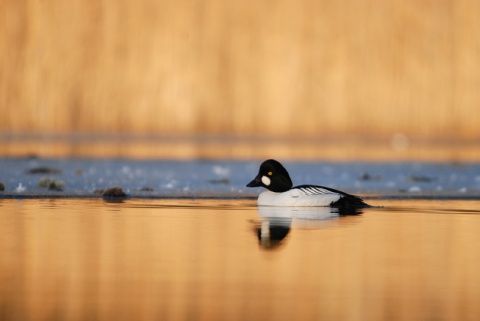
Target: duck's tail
<point>350,201</point>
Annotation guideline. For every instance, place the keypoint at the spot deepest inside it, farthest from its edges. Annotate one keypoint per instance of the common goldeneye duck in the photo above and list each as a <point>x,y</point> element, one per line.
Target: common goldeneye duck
<point>281,192</point>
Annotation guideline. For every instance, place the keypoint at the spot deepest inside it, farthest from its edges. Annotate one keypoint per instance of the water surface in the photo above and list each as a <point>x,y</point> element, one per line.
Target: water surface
<point>83,259</point>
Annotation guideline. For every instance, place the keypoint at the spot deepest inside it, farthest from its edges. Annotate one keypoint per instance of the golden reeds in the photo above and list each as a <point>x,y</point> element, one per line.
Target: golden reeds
<point>302,68</point>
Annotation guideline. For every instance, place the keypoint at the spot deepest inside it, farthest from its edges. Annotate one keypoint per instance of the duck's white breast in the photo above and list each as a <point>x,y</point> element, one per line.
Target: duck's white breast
<point>296,197</point>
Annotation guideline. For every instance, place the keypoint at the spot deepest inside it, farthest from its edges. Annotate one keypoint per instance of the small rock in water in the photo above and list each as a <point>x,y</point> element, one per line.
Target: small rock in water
<point>56,185</point>
<point>51,184</point>
<point>114,192</point>
<point>2,187</point>
<point>44,182</point>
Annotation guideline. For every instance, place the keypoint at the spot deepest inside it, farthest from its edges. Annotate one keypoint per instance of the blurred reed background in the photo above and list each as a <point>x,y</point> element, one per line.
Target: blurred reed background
<point>369,68</point>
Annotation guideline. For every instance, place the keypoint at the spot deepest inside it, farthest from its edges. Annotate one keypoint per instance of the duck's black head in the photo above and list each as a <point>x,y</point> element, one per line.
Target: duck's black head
<point>273,176</point>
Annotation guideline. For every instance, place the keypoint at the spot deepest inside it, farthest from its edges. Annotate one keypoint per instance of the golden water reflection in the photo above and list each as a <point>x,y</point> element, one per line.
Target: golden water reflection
<point>201,260</point>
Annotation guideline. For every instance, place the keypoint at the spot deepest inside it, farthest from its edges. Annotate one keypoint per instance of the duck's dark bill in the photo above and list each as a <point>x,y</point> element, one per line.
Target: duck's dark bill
<point>255,183</point>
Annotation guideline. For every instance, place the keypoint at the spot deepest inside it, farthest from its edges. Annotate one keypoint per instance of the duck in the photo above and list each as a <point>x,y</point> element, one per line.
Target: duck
<point>281,192</point>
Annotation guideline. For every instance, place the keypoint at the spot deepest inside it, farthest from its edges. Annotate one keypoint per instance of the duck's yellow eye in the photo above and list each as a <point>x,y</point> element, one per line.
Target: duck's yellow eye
<point>270,173</point>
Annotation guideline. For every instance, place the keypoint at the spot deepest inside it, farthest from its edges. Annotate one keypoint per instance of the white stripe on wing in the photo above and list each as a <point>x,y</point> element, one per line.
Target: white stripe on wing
<point>314,190</point>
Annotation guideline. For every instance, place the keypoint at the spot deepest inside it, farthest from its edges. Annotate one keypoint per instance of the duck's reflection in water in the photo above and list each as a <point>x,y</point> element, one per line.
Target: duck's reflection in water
<point>275,223</point>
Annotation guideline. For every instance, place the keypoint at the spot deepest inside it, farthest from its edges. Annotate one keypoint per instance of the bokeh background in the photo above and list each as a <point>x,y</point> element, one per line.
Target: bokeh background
<point>400,71</point>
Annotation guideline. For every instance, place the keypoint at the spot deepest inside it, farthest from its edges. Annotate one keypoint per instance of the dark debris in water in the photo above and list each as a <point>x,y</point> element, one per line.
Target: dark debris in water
<point>220,181</point>
<point>369,177</point>
<point>2,187</point>
<point>420,179</point>
<point>114,192</point>
<point>44,170</point>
